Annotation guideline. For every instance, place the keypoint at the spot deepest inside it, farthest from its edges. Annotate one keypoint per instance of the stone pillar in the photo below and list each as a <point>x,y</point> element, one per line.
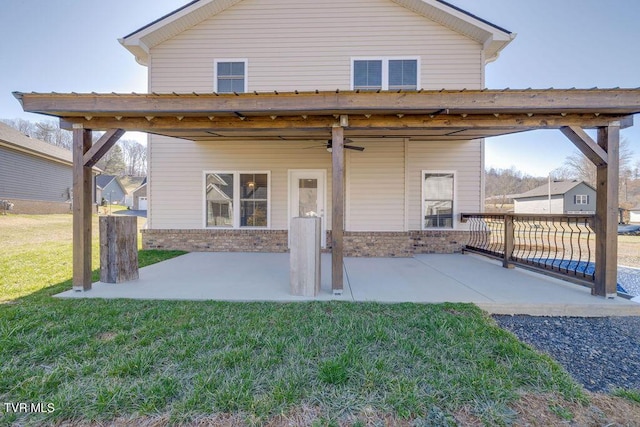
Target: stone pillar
<point>304,259</point>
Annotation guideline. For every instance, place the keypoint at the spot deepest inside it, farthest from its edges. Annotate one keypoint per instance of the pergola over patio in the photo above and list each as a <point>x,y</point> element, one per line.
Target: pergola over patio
<point>420,115</point>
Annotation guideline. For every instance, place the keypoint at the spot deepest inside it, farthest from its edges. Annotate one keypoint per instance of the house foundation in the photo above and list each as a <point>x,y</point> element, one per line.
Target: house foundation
<point>356,244</point>
<point>39,207</point>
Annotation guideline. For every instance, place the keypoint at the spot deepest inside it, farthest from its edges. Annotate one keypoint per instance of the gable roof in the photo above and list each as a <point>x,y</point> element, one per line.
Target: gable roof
<point>557,188</point>
<point>142,185</point>
<point>492,37</point>
<point>103,180</point>
<point>16,140</point>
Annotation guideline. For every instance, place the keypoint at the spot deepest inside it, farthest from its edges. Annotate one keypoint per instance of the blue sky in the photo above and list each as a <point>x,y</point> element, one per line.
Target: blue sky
<point>71,45</point>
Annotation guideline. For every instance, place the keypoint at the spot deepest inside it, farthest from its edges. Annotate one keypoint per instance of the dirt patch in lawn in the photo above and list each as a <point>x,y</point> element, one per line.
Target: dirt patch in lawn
<point>531,410</point>
<point>540,410</point>
<point>629,251</point>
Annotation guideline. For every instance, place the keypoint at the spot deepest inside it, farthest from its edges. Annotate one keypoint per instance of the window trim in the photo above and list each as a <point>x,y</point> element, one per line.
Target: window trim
<point>581,196</point>
<point>246,71</point>
<point>385,68</point>
<point>236,199</point>
<point>453,202</point>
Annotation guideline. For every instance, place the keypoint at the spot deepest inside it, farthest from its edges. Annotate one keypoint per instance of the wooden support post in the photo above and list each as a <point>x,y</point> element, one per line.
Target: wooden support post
<point>508,241</point>
<point>81,211</point>
<point>118,249</point>
<point>337,206</point>
<point>606,222</point>
<point>585,144</point>
<point>102,146</point>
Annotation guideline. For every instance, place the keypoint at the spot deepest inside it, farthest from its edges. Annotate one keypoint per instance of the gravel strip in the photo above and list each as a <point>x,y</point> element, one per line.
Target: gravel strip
<point>601,353</point>
<point>629,278</point>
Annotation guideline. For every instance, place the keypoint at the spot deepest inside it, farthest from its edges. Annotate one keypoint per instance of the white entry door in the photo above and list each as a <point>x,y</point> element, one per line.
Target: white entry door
<point>307,196</point>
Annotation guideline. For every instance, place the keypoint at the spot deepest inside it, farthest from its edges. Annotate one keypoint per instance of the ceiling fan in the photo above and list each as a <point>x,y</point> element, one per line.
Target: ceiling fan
<point>329,146</point>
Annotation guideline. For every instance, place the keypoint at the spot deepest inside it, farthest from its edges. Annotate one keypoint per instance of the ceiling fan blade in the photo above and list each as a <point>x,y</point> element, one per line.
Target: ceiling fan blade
<point>354,147</point>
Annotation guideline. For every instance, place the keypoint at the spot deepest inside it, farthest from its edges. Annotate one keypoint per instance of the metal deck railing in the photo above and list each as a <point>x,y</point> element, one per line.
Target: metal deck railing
<point>560,245</point>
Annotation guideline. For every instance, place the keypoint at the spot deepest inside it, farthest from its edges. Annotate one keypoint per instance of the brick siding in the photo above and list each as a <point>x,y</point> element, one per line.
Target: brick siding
<point>356,244</point>
<point>216,240</point>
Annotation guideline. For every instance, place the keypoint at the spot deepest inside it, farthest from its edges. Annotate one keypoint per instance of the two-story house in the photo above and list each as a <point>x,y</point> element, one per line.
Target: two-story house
<point>239,193</point>
<point>370,115</point>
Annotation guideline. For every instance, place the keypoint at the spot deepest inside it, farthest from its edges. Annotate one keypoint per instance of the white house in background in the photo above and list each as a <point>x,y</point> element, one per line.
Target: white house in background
<point>139,196</point>
<point>403,195</point>
<point>634,215</point>
<point>558,197</point>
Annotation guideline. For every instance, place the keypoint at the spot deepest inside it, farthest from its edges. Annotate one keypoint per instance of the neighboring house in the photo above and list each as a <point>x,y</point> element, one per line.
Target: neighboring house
<point>109,188</point>
<point>634,215</point>
<point>403,195</point>
<point>35,176</point>
<point>139,196</point>
<point>558,197</point>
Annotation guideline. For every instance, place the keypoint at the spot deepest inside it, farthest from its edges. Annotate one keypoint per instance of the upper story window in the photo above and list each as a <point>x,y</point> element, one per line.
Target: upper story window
<point>581,199</point>
<point>367,74</point>
<point>230,76</point>
<point>385,73</point>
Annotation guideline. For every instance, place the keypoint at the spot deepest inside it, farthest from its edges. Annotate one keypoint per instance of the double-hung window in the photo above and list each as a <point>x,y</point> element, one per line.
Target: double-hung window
<point>237,199</point>
<point>385,73</point>
<point>230,76</point>
<point>581,199</point>
<point>437,199</point>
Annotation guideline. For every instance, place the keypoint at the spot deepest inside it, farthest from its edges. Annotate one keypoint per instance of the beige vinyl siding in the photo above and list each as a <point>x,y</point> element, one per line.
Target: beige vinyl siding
<point>177,193</point>
<point>461,157</point>
<point>306,45</point>
<point>375,178</point>
<point>375,186</point>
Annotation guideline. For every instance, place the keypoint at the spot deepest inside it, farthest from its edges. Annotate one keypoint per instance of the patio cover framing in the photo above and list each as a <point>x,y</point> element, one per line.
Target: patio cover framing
<point>419,115</point>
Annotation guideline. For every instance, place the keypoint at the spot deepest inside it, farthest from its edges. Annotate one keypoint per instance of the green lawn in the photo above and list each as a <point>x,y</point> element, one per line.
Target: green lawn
<point>318,363</point>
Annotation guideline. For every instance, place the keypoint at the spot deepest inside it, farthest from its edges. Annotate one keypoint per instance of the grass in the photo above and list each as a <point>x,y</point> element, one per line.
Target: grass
<point>99,360</point>
<point>106,360</point>
<point>36,252</point>
<point>631,395</point>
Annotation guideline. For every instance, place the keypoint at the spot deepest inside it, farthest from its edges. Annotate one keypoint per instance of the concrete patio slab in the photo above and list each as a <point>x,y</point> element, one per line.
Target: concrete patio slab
<point>406,280</point>
<point>424,279</point>
<point>224,276</point>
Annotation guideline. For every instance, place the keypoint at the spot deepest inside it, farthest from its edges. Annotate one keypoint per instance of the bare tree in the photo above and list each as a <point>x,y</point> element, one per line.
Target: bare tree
<point>135,157</point>
<point>502,184</point>
<point>578,166</point>
<point>24,126</point>
<point>46,130</point>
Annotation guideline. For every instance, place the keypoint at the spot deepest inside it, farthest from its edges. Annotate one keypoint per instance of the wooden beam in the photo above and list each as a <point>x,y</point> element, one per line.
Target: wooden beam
<point>337,209</point>
<point>606,221</point>
<point>601,101</point>
<point>585,144</point>
<point>102,146</point>
<point>357,123</point>
<point>82,191</point>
